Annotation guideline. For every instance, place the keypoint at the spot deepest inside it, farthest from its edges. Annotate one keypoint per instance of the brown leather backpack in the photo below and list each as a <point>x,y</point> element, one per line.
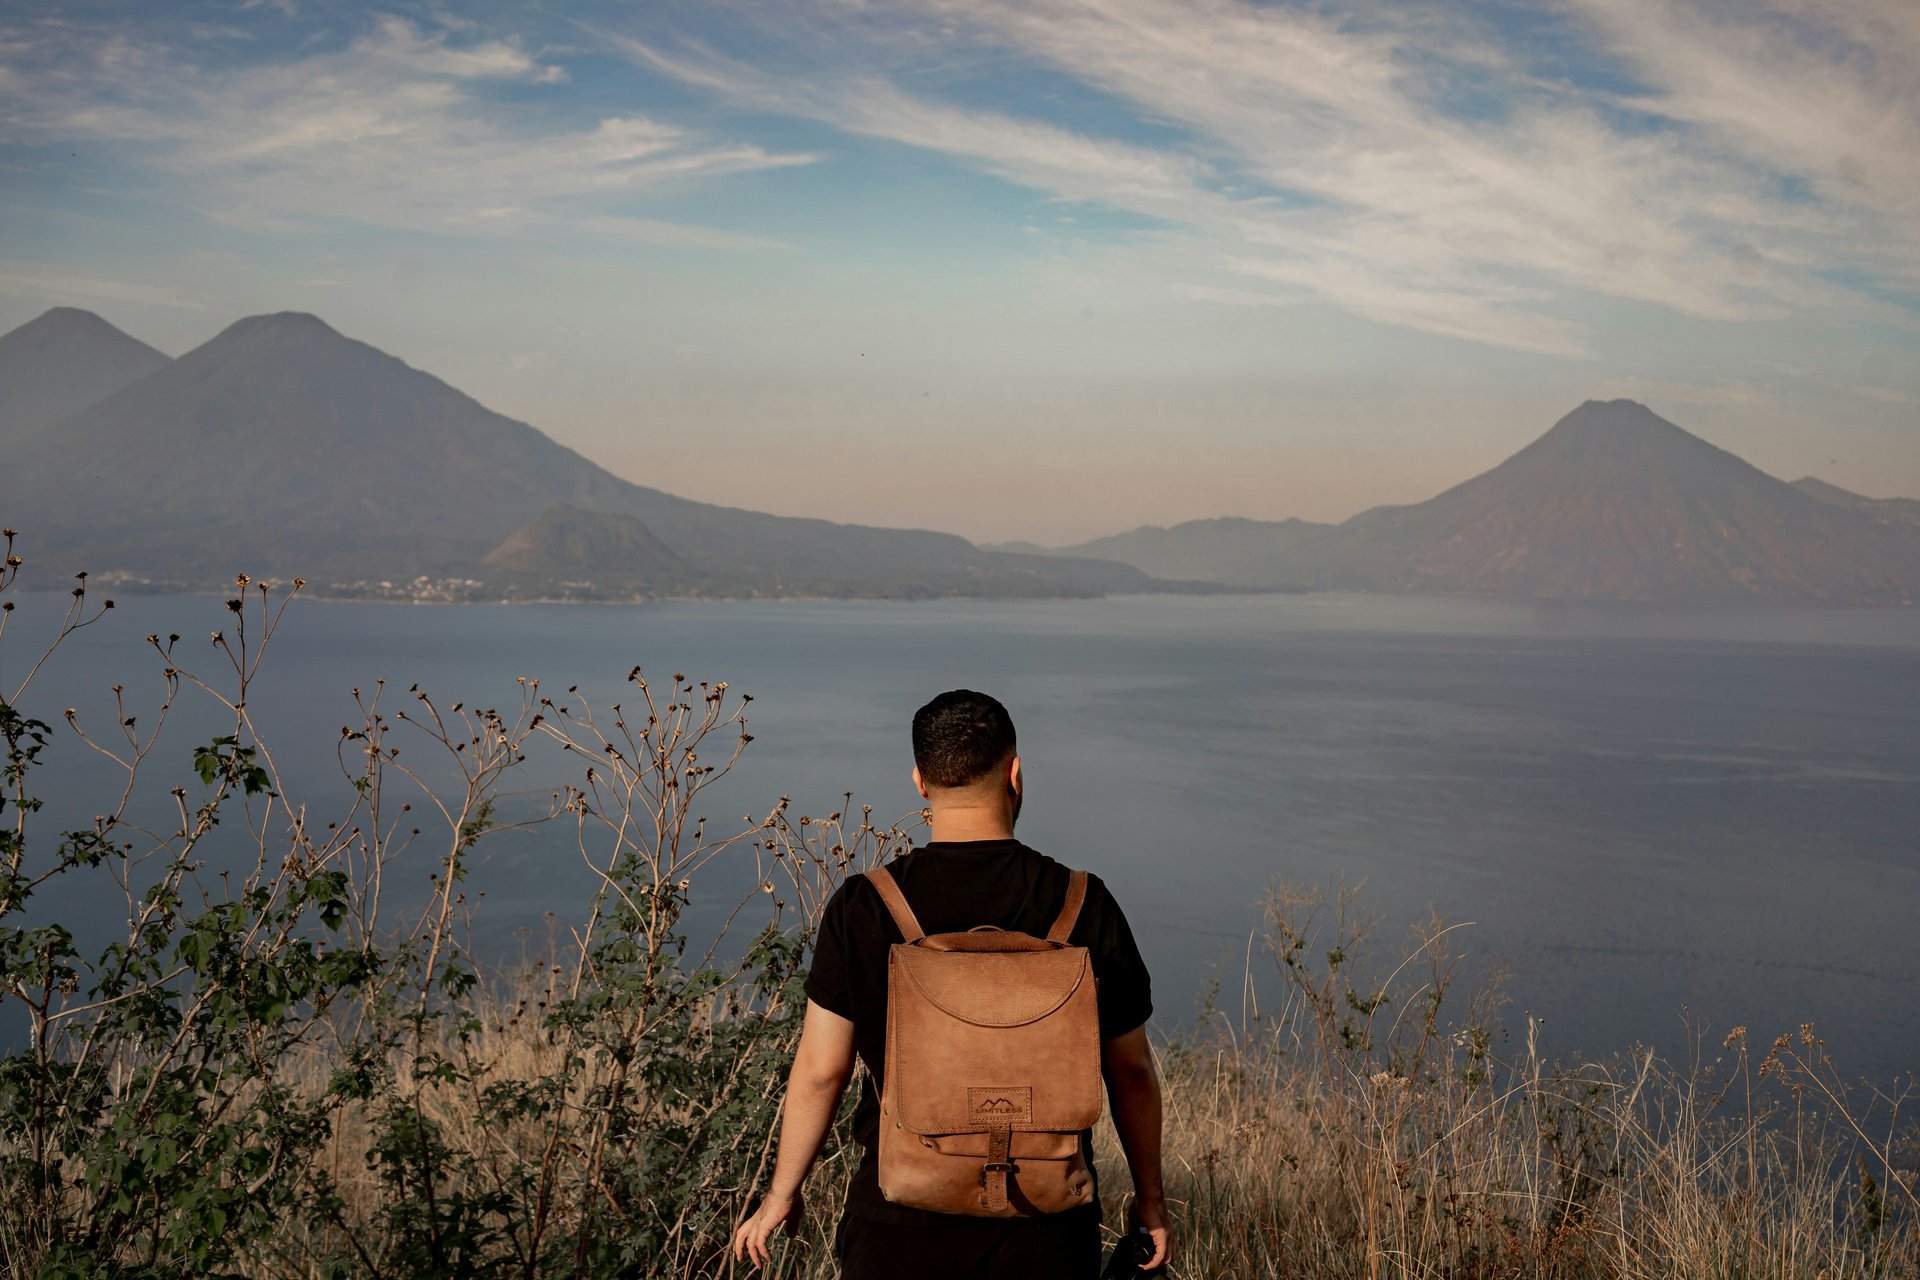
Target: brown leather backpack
<point>993,1066</point>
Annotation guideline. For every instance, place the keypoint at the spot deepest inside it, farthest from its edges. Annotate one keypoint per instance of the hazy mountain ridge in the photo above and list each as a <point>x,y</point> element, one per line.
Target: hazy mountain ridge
<point>284,445</point>
<point>1903,511</point>
<point>1227,549</point>
<point>59,363</point>
<point>284,448</point>
<point>314,453</point>
<point>1614,502</point>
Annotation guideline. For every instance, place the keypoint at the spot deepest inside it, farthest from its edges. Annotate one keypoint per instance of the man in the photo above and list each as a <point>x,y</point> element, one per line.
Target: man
<point>970,872</point>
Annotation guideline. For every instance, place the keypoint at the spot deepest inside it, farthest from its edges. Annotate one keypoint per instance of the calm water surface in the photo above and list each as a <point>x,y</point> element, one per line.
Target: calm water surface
<point>1646,812</point>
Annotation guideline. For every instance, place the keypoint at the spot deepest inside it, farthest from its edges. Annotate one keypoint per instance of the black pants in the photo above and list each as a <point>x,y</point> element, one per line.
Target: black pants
<point>1063,1247</point>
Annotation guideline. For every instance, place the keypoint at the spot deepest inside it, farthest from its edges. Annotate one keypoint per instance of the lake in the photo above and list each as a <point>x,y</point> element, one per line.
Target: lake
<point>1664,821</point>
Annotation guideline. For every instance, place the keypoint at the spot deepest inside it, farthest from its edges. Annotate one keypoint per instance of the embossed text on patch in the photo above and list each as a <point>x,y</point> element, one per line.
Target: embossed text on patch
<point>1001,1104</point>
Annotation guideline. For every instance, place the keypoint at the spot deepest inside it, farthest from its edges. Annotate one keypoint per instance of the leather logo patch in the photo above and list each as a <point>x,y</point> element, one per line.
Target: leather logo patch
<point>1006,1104</point>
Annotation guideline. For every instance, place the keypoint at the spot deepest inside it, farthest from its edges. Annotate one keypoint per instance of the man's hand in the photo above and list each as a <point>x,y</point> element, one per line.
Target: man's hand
<point>821,1064</point>
<point>1133,1089</point>
<point>1152,1214</point>
<point>750,1239</point>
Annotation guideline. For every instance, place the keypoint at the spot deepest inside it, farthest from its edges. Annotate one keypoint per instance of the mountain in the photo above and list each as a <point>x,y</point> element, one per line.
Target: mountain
<point>282,444</point>
<point>1614,502</point>
<point>1226,550</point>
<point>61,362</point>
<point>284,448</point>
<point>1905,511</point>
<point>566,549</point>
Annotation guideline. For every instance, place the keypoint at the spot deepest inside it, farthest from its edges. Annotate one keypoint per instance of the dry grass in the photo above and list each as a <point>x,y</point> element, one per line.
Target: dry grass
<point>1627,1171</point>
<point>1333,1140</point>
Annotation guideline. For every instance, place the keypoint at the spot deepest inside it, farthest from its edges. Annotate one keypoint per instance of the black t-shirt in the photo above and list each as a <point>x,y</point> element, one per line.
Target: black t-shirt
<point>954,887</point>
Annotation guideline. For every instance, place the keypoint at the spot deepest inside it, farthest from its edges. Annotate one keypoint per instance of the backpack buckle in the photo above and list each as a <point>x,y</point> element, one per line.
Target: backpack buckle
<point>996,1166</point>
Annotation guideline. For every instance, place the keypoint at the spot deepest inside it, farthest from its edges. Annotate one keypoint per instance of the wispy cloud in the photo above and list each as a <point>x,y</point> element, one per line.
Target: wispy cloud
<point>1824,91</point>
<point>1436,169</point>
<point>400,128</point>
<point>1416,174</point>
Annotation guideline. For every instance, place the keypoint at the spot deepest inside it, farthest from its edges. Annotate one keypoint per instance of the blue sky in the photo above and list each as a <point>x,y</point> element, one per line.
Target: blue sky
<point>1045,269</point>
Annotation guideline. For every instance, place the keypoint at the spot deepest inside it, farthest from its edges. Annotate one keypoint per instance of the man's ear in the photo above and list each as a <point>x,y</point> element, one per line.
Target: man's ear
<point>919,783</point>
<point>1013,776</point>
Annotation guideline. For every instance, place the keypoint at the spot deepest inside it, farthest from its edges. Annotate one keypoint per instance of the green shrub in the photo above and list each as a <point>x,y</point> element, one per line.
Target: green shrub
<point>275,1072</point>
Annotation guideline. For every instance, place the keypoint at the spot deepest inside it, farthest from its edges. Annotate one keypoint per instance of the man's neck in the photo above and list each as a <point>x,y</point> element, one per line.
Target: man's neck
<point>963,824</point>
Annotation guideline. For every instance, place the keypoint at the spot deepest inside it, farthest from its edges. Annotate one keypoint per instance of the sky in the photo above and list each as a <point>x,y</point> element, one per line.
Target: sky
<point>1040,270</point>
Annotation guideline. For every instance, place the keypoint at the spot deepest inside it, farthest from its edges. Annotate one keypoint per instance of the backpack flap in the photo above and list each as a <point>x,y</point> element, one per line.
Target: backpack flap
<point>992,1040</point>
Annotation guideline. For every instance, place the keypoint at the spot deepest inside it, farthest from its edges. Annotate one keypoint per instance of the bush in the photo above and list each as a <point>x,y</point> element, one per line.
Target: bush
<point>276,1072</point>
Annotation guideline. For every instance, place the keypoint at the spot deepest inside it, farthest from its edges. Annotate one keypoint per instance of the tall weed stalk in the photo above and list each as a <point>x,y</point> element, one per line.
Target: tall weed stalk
<point>289,1060</point>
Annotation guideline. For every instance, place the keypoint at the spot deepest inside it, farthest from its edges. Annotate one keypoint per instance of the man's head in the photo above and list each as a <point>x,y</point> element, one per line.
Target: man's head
<point>964,752</point>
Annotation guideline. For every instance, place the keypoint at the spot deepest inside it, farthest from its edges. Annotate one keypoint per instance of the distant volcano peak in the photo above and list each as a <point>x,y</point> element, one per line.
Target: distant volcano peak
<point>295,344</point>
<point>298,325</point>
<point>1614,416</point>
<point>1614,433</point>
<point>61,361</point>
<point>68,315</point>
<point>72,324</point>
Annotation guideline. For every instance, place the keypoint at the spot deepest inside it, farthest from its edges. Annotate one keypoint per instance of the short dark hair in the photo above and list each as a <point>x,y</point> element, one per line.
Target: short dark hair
<point>959,737</point>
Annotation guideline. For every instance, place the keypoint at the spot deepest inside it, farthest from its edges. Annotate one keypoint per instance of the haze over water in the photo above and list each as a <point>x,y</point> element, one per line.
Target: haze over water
<point>1643,810</point>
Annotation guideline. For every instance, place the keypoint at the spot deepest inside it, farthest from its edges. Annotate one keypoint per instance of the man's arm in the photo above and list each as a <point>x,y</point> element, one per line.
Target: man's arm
<point>822,1065</point>
<point>1133,1089</point>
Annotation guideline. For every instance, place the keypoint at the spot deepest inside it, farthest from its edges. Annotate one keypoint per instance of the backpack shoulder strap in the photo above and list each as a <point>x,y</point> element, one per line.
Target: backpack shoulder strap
<point>1070,909</point>
<point>896,904</point>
